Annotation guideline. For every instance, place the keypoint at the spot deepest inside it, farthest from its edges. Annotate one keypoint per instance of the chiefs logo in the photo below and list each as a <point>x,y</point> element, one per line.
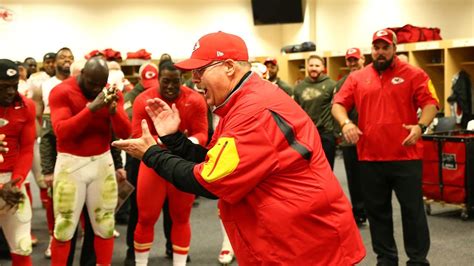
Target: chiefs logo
<point>381,33</point>
<point>397,80</point>
<point>150,74</point>
<point>11,72</point>
<point>351,51</point>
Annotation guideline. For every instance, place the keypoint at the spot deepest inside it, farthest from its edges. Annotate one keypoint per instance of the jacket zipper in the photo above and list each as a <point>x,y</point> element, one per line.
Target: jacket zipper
<point>217,159</point>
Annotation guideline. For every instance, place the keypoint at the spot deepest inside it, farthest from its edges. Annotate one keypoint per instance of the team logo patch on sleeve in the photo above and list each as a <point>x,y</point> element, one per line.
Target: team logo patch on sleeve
<point>223,159</point>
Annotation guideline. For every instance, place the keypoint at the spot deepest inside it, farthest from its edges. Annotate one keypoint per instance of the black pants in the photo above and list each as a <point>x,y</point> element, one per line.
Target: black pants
<point>328,141</point>
<point>351,164</point>
<point>403,177</point>
<point>132,165</point>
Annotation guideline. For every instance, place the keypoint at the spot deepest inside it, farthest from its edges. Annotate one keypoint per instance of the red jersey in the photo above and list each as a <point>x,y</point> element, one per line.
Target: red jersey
<point>385,102</point>
<point>192,112</point>
<point>78,130</point>
<point>20,135</point>
<point>279,200</point>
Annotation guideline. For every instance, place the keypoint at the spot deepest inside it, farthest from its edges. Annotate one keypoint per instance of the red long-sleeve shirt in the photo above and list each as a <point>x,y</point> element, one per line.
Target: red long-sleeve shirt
<point>20,137</point>
<point>80,131</point>
<point>192,111</point>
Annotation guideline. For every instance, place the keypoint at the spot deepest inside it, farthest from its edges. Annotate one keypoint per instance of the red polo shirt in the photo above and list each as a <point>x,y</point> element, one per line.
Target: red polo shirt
<point>385,102</point>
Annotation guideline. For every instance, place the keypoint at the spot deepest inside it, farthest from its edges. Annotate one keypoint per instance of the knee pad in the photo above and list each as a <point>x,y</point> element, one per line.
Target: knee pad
<point>23,246</point>
<point>64,201</point>
<point>23,213</point>
<point>104,214</point>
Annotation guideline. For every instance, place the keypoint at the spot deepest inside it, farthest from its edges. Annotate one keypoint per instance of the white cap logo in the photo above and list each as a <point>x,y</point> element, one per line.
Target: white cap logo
<point>219,53</point>
<point>150,74</point>
<point>196,46</point>
<point>351,51</point>
<point>11,72</point>
<point>381,33</point>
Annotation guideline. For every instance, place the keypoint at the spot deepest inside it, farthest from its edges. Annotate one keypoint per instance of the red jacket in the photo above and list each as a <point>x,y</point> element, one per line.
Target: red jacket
<point>78,130</point>
<point>385,102</point>
<point>20,135</point>
<point>279,200</point>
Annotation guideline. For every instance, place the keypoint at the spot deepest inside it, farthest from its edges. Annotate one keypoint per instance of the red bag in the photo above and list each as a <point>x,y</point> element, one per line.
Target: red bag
<point>409,33</point>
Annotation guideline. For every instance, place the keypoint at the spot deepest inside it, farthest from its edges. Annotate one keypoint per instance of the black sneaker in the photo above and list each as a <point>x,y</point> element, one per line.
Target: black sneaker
<point>360,221</point>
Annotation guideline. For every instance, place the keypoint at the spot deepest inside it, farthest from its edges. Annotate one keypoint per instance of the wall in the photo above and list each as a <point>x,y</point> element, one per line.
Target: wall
<point>173,26</point>
<point>158,26</point>
<point>346,23</point>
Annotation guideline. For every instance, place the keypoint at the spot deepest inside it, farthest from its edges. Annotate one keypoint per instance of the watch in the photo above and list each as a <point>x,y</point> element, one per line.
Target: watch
<point>347,121</point>
<point>423,128</point>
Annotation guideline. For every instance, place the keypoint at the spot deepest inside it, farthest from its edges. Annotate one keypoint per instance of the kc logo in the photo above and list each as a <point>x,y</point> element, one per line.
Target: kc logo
<point>150,74</point>
<point>397,80</point>
<point>381,33</point>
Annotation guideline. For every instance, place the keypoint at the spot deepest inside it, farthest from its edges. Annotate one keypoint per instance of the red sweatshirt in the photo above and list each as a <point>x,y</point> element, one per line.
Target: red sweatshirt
<point>192,111</point>
<point>78,130</point>
<point>20,136</point>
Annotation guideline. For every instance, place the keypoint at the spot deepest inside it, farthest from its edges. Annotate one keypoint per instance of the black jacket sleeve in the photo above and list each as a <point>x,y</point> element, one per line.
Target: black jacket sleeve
<point>175,170</point>
<point>180,145</point>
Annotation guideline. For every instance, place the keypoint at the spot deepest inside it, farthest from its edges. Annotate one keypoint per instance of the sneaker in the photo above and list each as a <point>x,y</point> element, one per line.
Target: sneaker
<point>34,240</point>
<point>116,234</point>
<point>47,252</point>
<point>360,221</point>
<point>226,256</point>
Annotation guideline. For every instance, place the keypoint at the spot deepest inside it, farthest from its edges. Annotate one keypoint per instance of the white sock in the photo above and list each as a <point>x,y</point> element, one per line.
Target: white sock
<point>225,240</point>
<point>141,258</point>
<point>179,259</point>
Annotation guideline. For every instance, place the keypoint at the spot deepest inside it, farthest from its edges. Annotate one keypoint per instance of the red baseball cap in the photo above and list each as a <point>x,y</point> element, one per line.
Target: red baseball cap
<point>385,35</point>
<point>215,46</point>
<point>271,60</point>
<point>149,75</point>
<point>353,53</point>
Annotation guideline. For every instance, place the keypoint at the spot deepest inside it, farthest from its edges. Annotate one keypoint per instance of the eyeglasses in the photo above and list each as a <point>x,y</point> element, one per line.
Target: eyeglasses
<point>200,71</point>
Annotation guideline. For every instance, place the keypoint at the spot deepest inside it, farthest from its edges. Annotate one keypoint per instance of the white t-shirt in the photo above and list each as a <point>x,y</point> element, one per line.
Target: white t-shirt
<point>46,88</point>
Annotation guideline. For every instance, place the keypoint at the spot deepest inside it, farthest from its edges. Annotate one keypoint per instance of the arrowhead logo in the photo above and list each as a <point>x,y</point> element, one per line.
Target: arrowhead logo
<point>351,51</point>
<point>219,53</point>
<point>11,72</point>
<point>150,74</point>
<point>381,33</point>
<point>397,80</point>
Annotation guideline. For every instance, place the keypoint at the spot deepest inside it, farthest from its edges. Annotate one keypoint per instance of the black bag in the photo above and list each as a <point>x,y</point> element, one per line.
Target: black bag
<point>296,48</point>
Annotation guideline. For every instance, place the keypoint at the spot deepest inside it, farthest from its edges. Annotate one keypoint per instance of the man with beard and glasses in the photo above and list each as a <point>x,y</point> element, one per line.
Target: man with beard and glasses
<point>387,94</point>
<point>354,61</point>
<point>193,115</point>
<point>84,115</point>
<point>314,94</point>
<point>63,60</point>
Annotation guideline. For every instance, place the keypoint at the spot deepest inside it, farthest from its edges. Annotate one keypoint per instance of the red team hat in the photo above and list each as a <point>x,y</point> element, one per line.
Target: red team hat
<point>215,46</point>
<point>353,53</point>
<point>270,60</point>
<point>385,35</point>
<point>149,75</point>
